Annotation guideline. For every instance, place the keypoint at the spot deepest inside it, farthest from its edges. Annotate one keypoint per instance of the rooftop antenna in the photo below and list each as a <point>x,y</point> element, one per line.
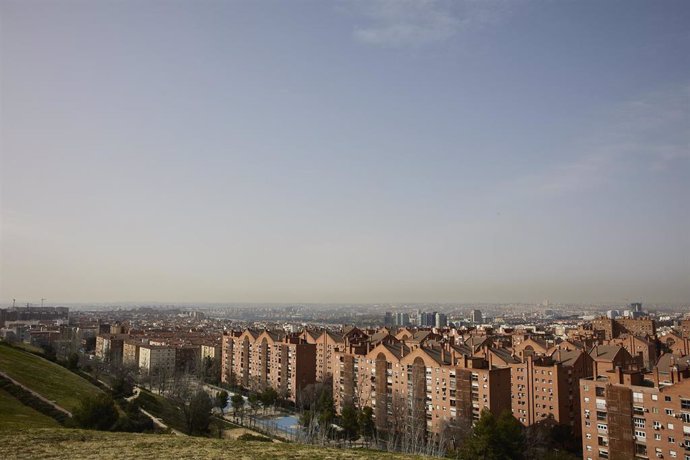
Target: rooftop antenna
<point>42,300</point>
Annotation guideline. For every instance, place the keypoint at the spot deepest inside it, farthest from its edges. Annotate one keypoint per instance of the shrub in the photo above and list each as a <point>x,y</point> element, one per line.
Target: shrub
<point>96,413</point>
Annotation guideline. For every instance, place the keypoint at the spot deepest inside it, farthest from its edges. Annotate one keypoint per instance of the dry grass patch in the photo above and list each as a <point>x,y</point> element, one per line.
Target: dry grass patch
<point>79,444</point>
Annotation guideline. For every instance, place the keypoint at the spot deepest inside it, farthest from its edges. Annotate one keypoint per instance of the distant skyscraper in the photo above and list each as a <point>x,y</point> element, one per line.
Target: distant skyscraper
<point>476,316</point>
<point>402,319</point>
<point>426,319</point>
<point>388,319</point>
<point>441,320</point>
<point>636,307</point>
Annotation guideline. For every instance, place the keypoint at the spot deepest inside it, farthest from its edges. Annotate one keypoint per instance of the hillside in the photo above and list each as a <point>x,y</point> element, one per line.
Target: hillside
<point>15,416</point>
<point>50,380</point>
<point>79,444</point>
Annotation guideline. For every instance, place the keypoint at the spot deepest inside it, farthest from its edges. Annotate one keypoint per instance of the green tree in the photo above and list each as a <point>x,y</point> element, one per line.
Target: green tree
<point>366,422</point>
<point>222,398</point>
<point>510,436</point>
<point>349,422</point>
<point>73,361</point>
<point>122,387</point>
<point>269,397</point>
<point>254,402</point>
<point>96,413</point>
<point>494,439</point>
<point>237,404</point>
<point>325,409</point>
<point>483,442</point>
<point>198,413</point>
<point>49,352</point>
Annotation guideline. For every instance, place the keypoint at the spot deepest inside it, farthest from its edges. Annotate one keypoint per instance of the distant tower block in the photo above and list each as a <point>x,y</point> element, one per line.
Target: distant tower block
<point>476,316</point>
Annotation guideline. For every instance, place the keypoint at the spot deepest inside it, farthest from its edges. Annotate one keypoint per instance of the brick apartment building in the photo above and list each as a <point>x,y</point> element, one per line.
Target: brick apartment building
<point>613,328</point>
<point>256,360</point>
<point>426,386</point>
<point>546,388</point>
<point>631,415</point>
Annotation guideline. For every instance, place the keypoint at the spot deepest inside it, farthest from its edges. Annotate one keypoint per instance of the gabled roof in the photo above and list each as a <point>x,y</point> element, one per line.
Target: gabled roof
<point>250,333</point>
<point>378,337</point>
<point>668,360</point>
<point>504,355</point>
<point>420,336</point>
<point>607,353</point>
<point>567,357</point>
<point>309,334</point>
<point>396,351</point>
<point>575,343</point>
<point>477,341</point>
<point>429,355</point>
<point>349,331</point>
<point>277,336</point>
<point>404,332</point>
<point>463,349</point>
<point>531,341</point>
<point>338,338</point>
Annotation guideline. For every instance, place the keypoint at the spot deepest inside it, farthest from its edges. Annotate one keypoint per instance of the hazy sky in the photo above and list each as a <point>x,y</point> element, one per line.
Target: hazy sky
<point>345,151</point>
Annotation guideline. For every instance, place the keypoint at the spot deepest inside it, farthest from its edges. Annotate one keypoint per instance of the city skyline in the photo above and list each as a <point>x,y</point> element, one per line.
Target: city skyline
<point>346,152</point>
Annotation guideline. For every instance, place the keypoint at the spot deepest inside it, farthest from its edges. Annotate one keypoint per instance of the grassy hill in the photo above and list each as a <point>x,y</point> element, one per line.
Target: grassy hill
<point>48,379</point>
<point>79,444</point>
<point>16,416</point>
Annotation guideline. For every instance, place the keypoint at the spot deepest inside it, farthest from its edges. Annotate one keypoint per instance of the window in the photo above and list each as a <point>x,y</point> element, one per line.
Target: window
<point>685,404</point>
<point>637,396</point>
<point>639,422</point>
<point>656,425</point>
<point>669,412</point>
<point>671,439</point>
<point>657,437</point>
<point>667,398</point>
<point>639,434</point>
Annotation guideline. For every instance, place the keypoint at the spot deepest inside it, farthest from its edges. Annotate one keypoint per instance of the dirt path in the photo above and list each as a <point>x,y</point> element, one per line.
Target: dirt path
<point>37,395</point>
<point>156,421</point>
<point>160,424</point>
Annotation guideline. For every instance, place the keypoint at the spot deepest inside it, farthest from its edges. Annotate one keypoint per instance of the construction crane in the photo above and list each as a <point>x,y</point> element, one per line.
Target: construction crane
<point>42,300</point>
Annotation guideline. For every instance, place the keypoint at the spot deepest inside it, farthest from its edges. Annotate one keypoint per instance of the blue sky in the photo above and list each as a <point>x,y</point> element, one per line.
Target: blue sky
<point>348,151</point>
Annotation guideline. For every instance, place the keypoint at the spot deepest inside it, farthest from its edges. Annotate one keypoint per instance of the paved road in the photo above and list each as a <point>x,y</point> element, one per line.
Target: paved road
<point>39,396</point>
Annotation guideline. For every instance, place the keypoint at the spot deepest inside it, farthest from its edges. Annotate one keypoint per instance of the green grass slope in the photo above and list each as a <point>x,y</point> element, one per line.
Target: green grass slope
<point>48,379</point>
<point>79,444</point>
<point>16,416</point>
